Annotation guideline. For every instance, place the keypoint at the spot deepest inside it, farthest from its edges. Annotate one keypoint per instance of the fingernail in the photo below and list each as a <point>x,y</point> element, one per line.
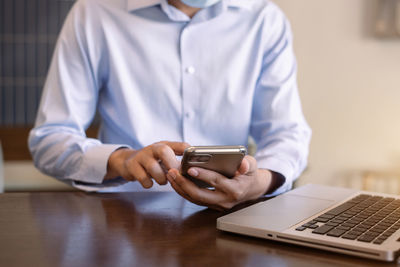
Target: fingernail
<point>193,172</point>
<point>147,184</point>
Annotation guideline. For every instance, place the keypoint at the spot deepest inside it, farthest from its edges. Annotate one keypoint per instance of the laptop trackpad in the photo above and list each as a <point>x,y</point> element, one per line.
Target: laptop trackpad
<point>280,213</point>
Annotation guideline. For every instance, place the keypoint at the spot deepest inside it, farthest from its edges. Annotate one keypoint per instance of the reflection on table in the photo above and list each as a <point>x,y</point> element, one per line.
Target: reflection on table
<point>140,229</point>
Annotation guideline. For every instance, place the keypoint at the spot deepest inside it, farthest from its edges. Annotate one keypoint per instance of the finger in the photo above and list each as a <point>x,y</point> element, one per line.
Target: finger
<point>166,155</point>
<point>139,174</point>
<point>180,191</point>
<point>252,164</point>
<point>234,189</point>
<point>171,176</point>
<point>212,178</point>
<point>244,167</point>
<point>177,147</point>
<point>155,170</point>
<point>202,195</point>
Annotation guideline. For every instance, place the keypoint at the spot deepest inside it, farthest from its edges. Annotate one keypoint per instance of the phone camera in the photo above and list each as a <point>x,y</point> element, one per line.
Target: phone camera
<point>200,158</point>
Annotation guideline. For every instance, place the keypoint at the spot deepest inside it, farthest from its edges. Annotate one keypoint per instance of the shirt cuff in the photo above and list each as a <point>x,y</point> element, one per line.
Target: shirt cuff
<point>94,165</point>
<point>99,187</point>
<point>279,166</point>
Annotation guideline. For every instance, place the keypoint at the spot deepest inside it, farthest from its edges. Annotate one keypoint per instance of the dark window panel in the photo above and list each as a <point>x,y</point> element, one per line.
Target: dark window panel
<point>31,18</point>
<point>42,59</point>
<point>31,105</point>
<point>19,60</point>
<point>7,21</point>
<point>8,102</point>
<point>1,104</point>
<point>19,17</point>
<point>52,17</point>
<point>7,60</point>
<point>42,17</point>
<point>28,31</point>
<point>20,105</point>
<point>2,11</point>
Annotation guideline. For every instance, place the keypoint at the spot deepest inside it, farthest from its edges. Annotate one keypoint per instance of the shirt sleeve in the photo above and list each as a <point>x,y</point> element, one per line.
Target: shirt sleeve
<point>278,126</point>
<point>58,143</point>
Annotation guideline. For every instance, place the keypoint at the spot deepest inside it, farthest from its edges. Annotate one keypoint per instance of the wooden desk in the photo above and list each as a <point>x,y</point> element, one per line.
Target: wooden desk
<point>135,229</point>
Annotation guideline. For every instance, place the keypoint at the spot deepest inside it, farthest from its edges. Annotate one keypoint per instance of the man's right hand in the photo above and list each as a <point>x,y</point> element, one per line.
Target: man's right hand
<point>150,162</point>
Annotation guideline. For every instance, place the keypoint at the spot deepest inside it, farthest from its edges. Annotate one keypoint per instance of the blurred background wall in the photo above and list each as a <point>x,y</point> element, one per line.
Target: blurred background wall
<point>349,80</point>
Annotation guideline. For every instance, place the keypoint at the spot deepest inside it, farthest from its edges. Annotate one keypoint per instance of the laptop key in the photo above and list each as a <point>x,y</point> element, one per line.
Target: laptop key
<point>346,215</point>
<point>337,221</point>
<point>340,209</point>
<point>386,235</point>
<point>336,232</point>
<point>328,216</point>
<point>366,238</point>
<point>382,238</point>
<point>321,219</point>
<point>332,224</point>
<point>312,222</point>
<point>301,228</point>
<point>390,231</point>
<point>341,227</point>
<point>322,229</point>
<point>355,233</point>
<point>375,230</point>
<point>378,241</point>
<point>360,228</point>
<point>349,224</point>
<point>349,236</point>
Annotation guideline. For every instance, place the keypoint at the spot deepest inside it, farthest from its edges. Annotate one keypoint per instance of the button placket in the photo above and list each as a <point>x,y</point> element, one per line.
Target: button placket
<point>189,87</point>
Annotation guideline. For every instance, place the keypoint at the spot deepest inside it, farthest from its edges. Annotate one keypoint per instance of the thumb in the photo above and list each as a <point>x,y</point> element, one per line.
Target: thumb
<point>244,167</point>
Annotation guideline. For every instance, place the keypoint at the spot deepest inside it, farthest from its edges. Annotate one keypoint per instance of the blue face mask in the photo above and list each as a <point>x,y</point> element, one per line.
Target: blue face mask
<point>200,3</point>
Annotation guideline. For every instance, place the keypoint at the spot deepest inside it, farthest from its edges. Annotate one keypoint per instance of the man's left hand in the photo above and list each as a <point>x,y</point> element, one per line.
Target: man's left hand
<point>249,183</point>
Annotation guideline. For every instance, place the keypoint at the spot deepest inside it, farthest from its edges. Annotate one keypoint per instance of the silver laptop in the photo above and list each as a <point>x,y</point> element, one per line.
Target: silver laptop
<point>342,220</point>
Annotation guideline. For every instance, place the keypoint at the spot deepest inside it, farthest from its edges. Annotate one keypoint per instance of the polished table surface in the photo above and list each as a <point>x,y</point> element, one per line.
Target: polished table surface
<point>135,229</point>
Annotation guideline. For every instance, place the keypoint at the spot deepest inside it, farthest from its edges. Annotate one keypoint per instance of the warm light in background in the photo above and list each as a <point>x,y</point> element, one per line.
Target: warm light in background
<point>388,18</point>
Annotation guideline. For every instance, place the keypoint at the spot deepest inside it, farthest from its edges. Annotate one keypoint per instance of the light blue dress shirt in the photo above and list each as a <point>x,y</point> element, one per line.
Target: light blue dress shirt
<point>155,74</point>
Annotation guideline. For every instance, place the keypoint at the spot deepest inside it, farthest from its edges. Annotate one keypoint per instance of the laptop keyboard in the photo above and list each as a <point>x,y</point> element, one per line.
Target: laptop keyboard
<point>364,218</point>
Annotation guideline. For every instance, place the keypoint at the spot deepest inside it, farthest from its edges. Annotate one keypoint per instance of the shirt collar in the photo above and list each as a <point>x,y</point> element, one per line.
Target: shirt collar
<point>138,4</point>
<point>240,3</point>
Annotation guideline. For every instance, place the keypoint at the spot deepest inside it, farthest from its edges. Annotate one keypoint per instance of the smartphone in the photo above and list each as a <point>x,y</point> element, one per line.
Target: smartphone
<point>222,159</point>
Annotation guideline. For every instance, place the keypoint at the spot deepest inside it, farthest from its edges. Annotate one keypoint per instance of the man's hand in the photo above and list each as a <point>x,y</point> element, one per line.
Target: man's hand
<point>142,165</point>
<point>248,183</point>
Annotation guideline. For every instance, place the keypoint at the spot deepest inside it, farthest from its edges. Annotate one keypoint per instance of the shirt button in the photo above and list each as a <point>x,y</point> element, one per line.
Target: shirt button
<point>190,70</point>
<point>188,115</point>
